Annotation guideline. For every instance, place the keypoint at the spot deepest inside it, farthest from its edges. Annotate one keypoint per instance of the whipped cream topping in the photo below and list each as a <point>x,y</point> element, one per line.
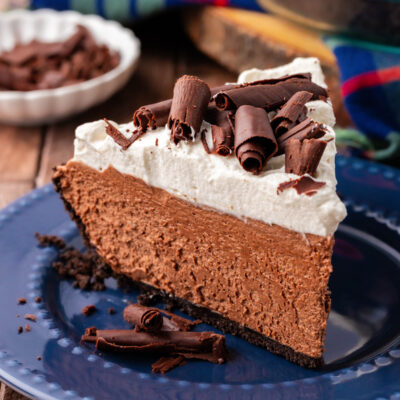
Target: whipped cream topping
<point>188,172</point>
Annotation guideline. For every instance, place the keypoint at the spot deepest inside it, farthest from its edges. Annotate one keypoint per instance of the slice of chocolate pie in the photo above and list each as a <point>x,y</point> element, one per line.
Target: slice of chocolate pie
<point>223,198</point>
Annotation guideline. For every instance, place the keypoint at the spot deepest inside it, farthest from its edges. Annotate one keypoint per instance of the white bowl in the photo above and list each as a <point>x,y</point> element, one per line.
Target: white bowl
<point>49,105</point>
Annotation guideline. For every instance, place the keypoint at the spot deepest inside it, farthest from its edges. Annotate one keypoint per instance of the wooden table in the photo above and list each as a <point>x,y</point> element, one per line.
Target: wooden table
<point>29,154</point>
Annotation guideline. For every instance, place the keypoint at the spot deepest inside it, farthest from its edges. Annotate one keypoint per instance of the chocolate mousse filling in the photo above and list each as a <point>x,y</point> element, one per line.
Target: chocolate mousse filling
<point>275,297</point>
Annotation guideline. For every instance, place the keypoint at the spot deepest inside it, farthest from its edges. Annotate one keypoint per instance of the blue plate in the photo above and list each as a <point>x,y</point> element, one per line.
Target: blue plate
<point>363,338</point>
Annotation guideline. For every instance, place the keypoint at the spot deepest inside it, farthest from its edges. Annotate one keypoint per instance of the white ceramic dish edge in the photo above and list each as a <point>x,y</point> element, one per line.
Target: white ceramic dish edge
<point>44,106</point>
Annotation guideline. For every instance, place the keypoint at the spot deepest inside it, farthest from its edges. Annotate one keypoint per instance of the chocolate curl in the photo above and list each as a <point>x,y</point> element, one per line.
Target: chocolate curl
<point>304,184</point>
<point>307,129</point>
<point>303,157</point>
<point>146,319</point>
<point>189,103</point>
<point>155,115</point>
<point>139,315</point>
<point>221,130</point>
<point>255,142</point>
<point>152,116</point>
<point>201,345</point>
<point>165,364</point>
<point>291,112</point>
<point>118,137</point>
<point>268,95</point>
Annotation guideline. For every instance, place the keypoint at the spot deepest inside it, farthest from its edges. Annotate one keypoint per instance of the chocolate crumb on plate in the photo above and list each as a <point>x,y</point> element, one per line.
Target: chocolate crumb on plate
<point>89,310</point>
<point>21,300</point>
<point>30,317</point>
<point>27,328</point>
<point>112,311</point>
<point>20,329</point>
<point>38,299</point>
<point>50,240</point>
<point>38,358</point>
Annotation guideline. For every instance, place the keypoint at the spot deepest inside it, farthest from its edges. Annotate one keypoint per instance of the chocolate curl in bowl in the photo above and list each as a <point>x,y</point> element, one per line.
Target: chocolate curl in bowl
<point>303,156</point>
<point>189,103</point>
<point>293,111</point>
<point>152,116</point>
<point>254,140</point>
<point>268,95</point>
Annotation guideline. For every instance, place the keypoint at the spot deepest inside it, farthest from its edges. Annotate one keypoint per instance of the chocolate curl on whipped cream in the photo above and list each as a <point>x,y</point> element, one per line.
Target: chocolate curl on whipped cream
<point>152,116</point>
<point>303,156</point>
<point>304,184</point>
<point>307,129</point>
<point>189,103</point>
<point>151,319</point>
<point>208,346</point>
<point>254,139</point>
<point>118,136</point>
<point>221,130</point>
<point>268,95</point>
<point>155,115</point>
<point>293,111</point>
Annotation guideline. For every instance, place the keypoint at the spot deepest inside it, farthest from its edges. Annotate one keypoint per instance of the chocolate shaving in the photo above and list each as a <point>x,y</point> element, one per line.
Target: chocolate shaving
<point>151,319</point>
<point>303,156</point>
<point>208,346</point>
<point>89,310</point>
<point>268,95</point>
<point>307,129</point>
<point>304,184</point>
<point>255,142</point>
<point>189,103</point>
<point>165,364</point>
<point>119,137</point>
<point>291,112</point>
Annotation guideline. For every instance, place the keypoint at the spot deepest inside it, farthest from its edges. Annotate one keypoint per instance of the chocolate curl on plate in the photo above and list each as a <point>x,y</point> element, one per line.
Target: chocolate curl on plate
<point>255,142</point>
<point>201,345</point>
<point>291,112</point>
<point>146,319</point>
<point>189,103</point>
<point>152,116</point>
<point>118,136</point>
<point>165,364</point>
<point>151,319</point>
<point>304,184</point>
<point>269,95</point>
<point>307,129</point>
<point>303,156</point>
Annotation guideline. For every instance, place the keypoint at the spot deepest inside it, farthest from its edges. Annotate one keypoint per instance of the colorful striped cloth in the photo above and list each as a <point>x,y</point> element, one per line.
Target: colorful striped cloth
<point>370,73</point>
<point>370,82</point>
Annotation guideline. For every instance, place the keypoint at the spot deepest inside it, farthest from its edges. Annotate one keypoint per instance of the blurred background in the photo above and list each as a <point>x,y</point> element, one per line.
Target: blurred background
<point>357,42</point>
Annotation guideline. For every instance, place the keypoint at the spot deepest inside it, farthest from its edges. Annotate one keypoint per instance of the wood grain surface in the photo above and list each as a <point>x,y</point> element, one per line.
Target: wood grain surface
<point>27,155</point>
